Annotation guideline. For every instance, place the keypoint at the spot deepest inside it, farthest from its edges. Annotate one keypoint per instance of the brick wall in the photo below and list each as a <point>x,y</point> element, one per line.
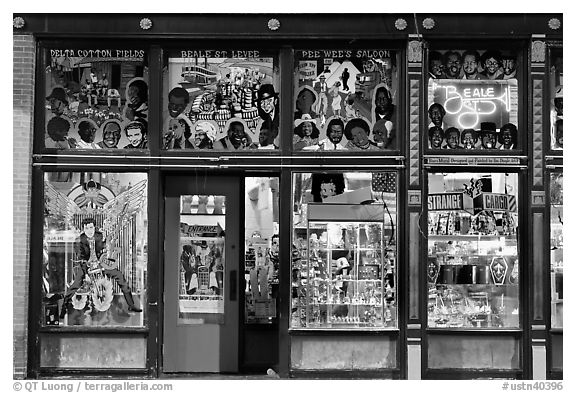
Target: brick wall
<point>23,80</point>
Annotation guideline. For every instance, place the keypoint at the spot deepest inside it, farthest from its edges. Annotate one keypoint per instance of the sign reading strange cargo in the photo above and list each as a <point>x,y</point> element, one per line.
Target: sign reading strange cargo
<point>449,201</point>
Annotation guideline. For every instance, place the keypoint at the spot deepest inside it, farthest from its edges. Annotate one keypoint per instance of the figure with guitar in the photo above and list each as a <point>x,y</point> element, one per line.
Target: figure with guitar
<point>90,249</point>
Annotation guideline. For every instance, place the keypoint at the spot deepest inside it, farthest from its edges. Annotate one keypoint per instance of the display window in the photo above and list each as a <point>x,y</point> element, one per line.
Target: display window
<point>556,82</point>
<point>473,265</point>
<point>344,250</point>
<point>220,99</point>
<point>557,248</point>
<point>262,242</point>
<point>472,101</point>
<point>97,98</point>
<point>94,249</point>
<point>345,100</point>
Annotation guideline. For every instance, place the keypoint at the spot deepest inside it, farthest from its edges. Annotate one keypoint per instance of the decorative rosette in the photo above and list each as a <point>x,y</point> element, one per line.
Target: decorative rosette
<point>18,22</point>
<point>428,23</point>
<point>273,24</point>
<point>145,23</point>
<point>400,24</point>
<point>102,294</point>
<point>554,23</point>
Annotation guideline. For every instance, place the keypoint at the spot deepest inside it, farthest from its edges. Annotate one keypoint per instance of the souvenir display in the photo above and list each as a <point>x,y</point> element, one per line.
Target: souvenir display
<point>202,262</point>
<point>95,237</point>
<point>344,251</point>
<point>474,94</point>
<point>221,99</point>
<point>345,100</point>
<point>473,260</point>
<point>557,248</point>
<point>97,98</point>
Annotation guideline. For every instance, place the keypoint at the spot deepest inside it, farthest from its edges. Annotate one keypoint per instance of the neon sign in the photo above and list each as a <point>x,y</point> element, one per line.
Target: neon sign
<point>469,103</point>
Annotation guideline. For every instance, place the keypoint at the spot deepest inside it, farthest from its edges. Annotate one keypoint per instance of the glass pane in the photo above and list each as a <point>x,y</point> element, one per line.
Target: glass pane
<point>557,248</point>
<point>345,100</point>
<point>97,99</point>
<point>202,262</point>
<point>473,261</point>
<point>221,100</point>
<point>261,261</point>
<point>95,249</point>
<point>556,82</point>
<point>344,250</point>
<point>473,100</point>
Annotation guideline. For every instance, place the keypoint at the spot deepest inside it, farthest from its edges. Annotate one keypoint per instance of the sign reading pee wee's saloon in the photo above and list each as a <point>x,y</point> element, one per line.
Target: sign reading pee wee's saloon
<point>488,201</point>
<point>449,201</point>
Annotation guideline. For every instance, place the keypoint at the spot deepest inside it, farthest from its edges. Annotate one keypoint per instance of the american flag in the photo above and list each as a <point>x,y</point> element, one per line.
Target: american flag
<point>384,182</point>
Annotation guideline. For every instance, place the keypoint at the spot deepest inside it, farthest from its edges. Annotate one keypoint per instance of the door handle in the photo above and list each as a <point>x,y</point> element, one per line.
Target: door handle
<point>233,285</point>
<point>153,303</point>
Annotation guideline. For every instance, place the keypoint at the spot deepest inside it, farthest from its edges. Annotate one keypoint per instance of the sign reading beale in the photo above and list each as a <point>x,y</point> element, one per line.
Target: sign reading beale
<point>97,98</point>
<point>221,99</point>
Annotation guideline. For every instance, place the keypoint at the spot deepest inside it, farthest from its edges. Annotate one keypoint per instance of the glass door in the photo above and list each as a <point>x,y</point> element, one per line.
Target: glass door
<point>201,275</point>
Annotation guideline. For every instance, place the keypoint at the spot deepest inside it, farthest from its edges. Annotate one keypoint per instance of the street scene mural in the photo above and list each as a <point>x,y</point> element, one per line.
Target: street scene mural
<point>96,99</point>
<point>473,100</point>
<point>94,249</point>
<point>223,100</point>
<point>345,100</point>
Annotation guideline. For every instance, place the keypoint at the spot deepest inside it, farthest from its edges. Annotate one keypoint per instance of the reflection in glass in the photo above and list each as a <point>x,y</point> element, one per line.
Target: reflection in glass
<point>202,260</point>
<point>556,80</point>
<point>344,100</point>
<point>344,250</point>
<point>261,262</point>
<point>95,249</point>
<point>557,248</point>
<point>92,94</point>
<point>473,263</point>
<point>221,100</point>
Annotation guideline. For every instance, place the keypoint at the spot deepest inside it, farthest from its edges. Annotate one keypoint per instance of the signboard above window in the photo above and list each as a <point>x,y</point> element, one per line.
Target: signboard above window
<point>97,98</point>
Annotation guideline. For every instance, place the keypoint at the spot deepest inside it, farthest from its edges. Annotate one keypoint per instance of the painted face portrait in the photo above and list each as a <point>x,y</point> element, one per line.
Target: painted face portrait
<point>437,68</point>
<point>359,137</point>
<point>111,135</point>
<point>176,105</point>
<point>57,106</point>
<point>470,65</point>
<point>491,65</point>
<point>89,230</point>
<point>307,128</point>
<point>509,67</point>
<point>453,66</point>
<point>335,133</point>
<point>305,101</point>
<point>134,136</point>
<point>380,133</point>
<point>560,133</point>
<point>436,139</point>
<point>489,140</point>
<point>267,104</point>
<point>237,135</point>
<point>436,115</point>
<point>507,138</point>
<point>382,101</point>
<point>452,140</point>
<point>468,139</point>
<point>87,132</point>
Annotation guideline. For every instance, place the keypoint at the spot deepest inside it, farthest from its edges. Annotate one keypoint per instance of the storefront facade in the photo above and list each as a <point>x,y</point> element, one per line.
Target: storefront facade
<point>401,180</point>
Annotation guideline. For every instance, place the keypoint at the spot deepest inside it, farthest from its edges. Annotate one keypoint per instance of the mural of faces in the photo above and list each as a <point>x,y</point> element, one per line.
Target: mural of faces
<point>212,92</point>
<point>96,101</point>
<point>336,87</point>
<point>556,83</point>
<point>472,64</point>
